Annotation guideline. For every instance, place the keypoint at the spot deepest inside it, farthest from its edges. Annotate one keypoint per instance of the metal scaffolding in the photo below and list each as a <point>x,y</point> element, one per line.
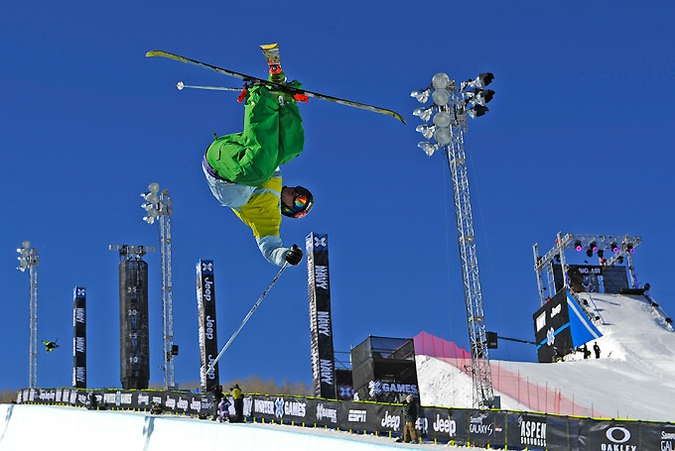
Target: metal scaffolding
<point>29,258</point>
<point>452,104</point>
<point>159,208</point>
<point>616,249</point>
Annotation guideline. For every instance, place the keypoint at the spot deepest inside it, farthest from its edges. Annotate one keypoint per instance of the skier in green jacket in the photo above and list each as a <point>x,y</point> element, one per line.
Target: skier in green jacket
<point>242,169</point>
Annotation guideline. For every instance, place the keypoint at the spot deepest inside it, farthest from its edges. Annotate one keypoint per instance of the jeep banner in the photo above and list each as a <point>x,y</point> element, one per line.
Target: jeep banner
<point>208,339</point>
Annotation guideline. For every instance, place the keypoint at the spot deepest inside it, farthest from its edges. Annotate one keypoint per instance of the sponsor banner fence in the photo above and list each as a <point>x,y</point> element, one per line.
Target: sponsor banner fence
<point>490,429</point>
<point>175,402</point>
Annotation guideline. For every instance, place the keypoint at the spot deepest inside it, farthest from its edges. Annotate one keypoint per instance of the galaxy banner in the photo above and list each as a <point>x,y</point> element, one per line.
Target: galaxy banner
<point>208,339</point>
<point>80,337</point>
<point>320,322</point>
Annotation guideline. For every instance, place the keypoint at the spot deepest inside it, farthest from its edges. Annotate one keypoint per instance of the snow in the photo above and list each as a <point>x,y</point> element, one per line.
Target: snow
<point>633,378</point>
<point>78,429</point>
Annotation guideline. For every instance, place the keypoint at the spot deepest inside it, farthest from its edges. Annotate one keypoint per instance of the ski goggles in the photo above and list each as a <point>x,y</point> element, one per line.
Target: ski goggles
<point>302,203</point>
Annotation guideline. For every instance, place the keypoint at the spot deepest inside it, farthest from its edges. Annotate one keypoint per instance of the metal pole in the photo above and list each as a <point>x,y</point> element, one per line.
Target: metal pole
<point>34,260</point>
<point>167,289</point>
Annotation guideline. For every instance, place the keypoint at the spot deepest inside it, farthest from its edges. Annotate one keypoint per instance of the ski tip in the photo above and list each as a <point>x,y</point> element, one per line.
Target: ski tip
<point>269,46</point>
<point>152,53</point>
<point>395,115</point>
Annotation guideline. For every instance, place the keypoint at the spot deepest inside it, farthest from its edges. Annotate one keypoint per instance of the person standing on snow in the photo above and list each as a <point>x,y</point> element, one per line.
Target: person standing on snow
<point>238,399</point>
<point>242,169</point>
<point>596,348</point>
<point>410,412</point>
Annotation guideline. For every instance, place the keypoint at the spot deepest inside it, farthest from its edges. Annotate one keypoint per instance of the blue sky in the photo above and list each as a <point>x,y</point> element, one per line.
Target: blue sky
<point>577,140</point>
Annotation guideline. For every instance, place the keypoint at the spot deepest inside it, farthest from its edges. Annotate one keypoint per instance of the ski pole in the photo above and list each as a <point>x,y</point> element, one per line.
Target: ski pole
<point>212,366</point>
<point>180,85</point>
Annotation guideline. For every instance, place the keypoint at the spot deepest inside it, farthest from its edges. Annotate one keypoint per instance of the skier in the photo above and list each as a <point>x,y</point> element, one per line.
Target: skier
<point>49,345</point>
<point>242,169</point>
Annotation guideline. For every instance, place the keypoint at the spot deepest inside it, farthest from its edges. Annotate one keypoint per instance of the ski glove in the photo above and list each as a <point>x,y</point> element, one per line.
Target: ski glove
<point>294,255</point>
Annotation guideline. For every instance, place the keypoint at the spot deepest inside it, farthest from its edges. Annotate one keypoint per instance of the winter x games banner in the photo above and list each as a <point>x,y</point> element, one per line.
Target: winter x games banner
<point>208,340</point>
<point>79,337</point>
<point>320,322</point>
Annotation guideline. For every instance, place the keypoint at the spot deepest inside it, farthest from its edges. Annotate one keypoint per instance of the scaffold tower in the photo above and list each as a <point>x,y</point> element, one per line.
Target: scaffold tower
<point>452,103</point>
<point>159,207</point>
<point>29,258</point>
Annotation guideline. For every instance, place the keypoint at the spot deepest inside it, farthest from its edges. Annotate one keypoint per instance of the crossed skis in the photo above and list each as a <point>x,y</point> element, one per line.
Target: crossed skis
<point>276,86</point>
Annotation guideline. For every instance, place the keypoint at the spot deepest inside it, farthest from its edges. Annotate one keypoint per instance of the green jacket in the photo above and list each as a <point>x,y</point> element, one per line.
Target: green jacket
<point>272,136</point>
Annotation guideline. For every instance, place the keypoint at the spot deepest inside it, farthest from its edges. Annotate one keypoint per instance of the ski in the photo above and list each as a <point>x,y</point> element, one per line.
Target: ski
<point>277,86</point>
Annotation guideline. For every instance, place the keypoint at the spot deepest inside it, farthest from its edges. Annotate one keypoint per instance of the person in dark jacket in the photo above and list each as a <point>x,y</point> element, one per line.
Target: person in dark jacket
<point>409,433</point>
<point>238,398</point>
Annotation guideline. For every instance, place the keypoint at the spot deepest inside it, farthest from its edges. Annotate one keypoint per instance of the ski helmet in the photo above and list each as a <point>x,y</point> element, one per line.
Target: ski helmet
<point>302,203</point>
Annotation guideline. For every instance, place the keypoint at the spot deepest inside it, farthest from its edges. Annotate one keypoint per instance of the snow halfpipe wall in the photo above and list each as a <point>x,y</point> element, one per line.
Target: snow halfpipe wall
<point>26,427</point>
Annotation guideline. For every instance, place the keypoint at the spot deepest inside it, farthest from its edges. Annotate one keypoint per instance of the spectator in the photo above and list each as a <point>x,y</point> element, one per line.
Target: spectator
<point>156,408</point>
<point>596,348</point>
<point>224,410</point>
<point>409,434</point>
<point>217,398</point>
<point>585,350</point>
<point>238,398</point>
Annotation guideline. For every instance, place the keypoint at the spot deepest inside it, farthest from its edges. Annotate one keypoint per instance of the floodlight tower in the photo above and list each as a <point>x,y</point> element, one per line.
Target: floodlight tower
<point>29,258</point>
<point>159,208</point>
<point>452,103</point>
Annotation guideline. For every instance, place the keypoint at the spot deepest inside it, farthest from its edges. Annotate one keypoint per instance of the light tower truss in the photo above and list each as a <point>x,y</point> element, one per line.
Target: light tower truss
<point>615,248</point>
<point>453,102</point>
<point>159,207</point>
<point>29,258</point>
<point>473,294</point>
